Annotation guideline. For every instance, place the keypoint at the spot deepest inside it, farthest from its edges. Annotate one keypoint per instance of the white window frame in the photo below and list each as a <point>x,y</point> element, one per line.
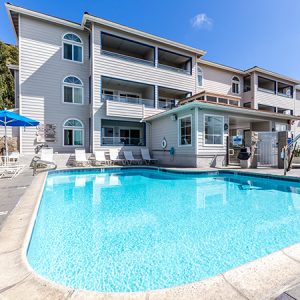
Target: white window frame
<point>213,145</point>
<point>72,43</point>
<point>179,130</point>
<point>72,86</point>
<point>73,128</point>
<point>198,67</point>
<point>233,81</point>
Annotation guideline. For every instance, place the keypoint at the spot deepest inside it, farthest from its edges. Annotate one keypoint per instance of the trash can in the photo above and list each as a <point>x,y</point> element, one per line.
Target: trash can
<point>244,156</point>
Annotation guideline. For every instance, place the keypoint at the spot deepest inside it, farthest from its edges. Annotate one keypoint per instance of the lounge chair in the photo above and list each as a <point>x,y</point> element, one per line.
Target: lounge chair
<point>130,159</point>
<point>114,156</point>
<point>146,157</point>
<point>100,158</point>
<point>10,171</point>
<point>44,160</point>
<point>80,158</point>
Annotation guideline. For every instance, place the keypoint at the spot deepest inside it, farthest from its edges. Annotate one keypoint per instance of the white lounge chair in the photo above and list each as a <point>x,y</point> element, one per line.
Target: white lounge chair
<point>44,160</point>
<point>100,158</point>
<point>114,156</point>
<point>146,157</point>
<point>10,171</point>
<point>130,159</point>
<point>80,158</point>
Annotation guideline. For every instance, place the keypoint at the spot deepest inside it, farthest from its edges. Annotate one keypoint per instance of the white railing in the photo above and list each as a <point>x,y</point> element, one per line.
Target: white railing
<point>128,57</point>
<point>174,69</point>
<point>122,141</point>
<point>132,100</point>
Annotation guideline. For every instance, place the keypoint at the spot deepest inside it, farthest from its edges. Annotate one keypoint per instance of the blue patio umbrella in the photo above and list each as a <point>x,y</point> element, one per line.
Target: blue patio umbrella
<point>9,118</point>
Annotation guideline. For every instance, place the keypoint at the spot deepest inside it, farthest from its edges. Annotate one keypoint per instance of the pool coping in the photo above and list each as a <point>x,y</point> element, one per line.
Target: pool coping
<point>263,278</point>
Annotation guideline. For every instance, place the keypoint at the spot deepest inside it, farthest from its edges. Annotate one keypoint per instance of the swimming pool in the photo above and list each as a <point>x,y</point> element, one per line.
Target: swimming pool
<point>141,229</point>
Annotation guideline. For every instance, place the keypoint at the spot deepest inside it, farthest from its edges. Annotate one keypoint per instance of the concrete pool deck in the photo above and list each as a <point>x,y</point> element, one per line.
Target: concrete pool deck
<point>265,278</point>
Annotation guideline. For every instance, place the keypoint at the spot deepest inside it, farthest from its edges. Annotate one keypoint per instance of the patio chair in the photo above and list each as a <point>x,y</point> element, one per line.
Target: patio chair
<point>44,160</point>
<point>146,157</point>
<point>114,156</point>
<point>10,171</point>
<point>80,158</point>
<point>130,159</point>
<point>100,158</point>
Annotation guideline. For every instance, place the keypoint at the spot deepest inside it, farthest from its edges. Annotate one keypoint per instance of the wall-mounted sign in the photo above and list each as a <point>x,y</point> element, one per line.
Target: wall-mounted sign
<point>46,133</point>
<point>237,140</point>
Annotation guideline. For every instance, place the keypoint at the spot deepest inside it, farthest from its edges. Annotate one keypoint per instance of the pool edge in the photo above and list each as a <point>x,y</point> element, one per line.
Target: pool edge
<point>264,278</point>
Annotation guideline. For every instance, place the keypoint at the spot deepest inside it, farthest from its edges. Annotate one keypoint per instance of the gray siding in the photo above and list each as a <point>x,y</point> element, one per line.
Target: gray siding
<point>42,71</point>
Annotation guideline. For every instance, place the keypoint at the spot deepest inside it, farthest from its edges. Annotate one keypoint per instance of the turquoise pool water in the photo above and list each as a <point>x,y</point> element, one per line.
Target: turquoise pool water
<point>137,230</point>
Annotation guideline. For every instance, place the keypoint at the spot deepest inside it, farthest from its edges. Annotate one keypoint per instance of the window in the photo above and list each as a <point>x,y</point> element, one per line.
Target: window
<point>211,99</point>
<point>235,85</point>
<point>72,90</point>
<point>185,130</point>
<point>73,133</point>
<point>214,126</point>
<point>247,83</point>
<point>72,47</point>
<point>131,137</point>
<point>199,76</point>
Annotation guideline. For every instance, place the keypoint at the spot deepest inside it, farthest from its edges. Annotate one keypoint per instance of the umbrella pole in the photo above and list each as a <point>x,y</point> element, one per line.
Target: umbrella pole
<point>6,147</point>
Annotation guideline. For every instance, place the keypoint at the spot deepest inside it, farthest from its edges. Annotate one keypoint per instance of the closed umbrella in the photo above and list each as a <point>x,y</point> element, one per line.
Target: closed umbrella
<point>9,118</point>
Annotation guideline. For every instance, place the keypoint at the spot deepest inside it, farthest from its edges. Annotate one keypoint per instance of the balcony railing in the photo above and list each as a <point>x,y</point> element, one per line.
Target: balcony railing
<point>116,98</point>
<point>128,58</point>
<point>168,104</point>
<point>122,141</point>
<point>174,69</point>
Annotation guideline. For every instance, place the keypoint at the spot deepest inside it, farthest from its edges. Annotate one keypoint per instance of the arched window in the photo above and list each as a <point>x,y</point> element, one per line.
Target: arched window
<point>73,133</point>
<point>72,47</point>
<point>235,85</point>
<point>199,76</point>
<point>72,90</point>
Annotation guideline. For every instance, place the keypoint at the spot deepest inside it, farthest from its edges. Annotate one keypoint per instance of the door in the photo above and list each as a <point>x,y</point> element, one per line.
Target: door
<point>267,149</point>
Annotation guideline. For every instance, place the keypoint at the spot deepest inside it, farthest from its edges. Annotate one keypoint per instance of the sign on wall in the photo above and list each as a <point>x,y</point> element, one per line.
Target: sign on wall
<point>46,133</point>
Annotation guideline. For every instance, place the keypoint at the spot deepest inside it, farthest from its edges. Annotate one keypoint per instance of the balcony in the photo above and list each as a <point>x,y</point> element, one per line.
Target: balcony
<point>168,98</point>
<point>126,49</point>
<point>174,62</point>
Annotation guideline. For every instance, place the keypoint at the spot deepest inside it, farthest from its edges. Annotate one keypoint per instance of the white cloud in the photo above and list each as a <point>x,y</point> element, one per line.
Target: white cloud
<point>201,21</point>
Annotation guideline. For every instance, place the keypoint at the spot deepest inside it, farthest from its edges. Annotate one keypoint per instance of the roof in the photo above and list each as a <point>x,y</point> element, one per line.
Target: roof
<point>220,66</point>
<point>250,70</point>
<point>223,107</point>
<point>14,10</point>
<point>271,73</point>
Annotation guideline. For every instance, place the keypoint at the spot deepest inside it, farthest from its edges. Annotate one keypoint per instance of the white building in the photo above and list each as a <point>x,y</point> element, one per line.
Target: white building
<point>99,84</point>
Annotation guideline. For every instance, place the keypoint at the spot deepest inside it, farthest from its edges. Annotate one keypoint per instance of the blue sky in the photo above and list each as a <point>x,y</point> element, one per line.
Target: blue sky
<point>237,33</point>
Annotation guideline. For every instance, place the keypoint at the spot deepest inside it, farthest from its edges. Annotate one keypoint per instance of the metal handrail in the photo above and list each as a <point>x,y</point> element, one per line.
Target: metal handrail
<point>286,149</point>
<point>141,101</point>
<point>178,70</point>
<point>128,57</point>
<point>122,141</point>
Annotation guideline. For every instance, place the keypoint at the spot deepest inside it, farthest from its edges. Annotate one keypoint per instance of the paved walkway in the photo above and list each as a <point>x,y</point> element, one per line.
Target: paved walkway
<point>11,192</point>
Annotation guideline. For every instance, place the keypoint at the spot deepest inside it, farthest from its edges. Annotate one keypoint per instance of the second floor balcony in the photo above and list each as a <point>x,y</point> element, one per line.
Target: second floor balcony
<point>129,99</point>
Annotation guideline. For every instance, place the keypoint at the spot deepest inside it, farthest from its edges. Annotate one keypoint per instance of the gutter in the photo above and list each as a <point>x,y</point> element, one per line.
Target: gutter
<point>221,107</point>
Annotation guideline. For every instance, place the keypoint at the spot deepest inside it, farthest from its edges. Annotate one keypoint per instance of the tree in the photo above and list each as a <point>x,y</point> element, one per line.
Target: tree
<point>8,55</point>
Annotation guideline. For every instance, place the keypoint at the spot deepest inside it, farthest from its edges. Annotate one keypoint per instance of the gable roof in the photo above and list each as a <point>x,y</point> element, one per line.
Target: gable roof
<point>14,11</point>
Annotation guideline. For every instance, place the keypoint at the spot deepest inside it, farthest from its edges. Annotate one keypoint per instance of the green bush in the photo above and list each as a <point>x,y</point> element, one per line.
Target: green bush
<point>8,55</point>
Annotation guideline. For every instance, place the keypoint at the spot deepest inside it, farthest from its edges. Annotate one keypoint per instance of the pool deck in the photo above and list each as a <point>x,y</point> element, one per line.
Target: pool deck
<point>275,276</point>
